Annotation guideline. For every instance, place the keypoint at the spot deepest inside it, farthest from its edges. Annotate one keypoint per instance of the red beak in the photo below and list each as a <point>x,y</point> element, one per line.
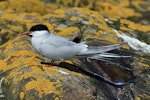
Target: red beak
<point>26,33</point>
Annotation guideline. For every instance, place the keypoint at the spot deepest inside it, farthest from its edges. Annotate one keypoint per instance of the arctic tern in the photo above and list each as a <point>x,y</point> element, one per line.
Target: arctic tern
<point>59,48</point>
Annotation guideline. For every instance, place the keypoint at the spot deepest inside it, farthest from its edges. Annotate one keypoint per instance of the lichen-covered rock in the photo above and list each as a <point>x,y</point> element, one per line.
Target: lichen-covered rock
<point>24,77</point>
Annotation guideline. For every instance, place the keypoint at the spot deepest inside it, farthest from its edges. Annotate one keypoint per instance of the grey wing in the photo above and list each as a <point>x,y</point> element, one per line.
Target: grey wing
<point>102,49</point>
<point>58,41</point>
<point>58,48</point>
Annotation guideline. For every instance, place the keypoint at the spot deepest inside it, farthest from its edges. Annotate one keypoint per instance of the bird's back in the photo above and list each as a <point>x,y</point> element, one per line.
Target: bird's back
<point>59,48</point>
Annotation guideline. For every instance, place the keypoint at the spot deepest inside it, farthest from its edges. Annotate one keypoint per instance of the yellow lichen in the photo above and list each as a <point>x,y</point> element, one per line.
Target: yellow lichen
<point>143,64</point>
<point>138,6</point>
<point>43,86</point>
<point>14,90</point>
<point>73,18</point>
<point>26,6</point>
<point>3,65</point>
<point>100,32</point>
<point>50,26</point>
<point>134,26</point>
<point>59,11</point>
<point>90,22</point>
<point>67,31</point>
<point>115,10</point>
<point>143,95</point>
<point>137,98</point>
<point>21,95</point>
<point>7,33</point>
<point>7,16</point>
<point>25,63</point>
<point>125,28</point>
<point>57,98</point>
<point>16,28</point>
<point>111,40</point>
<point>47,16</point>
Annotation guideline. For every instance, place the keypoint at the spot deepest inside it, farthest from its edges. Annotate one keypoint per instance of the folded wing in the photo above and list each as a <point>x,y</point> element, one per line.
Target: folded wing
<point>99,50</point>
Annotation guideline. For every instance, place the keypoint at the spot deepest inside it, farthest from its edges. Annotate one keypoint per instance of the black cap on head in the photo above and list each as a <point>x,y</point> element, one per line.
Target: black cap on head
<point>39,27</point>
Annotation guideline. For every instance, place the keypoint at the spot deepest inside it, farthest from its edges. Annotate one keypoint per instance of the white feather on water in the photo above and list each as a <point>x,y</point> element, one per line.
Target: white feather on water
<point>134,43</point>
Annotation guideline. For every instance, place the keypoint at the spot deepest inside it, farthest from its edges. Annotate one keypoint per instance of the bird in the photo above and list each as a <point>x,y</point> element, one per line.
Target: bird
<point>59,48</point>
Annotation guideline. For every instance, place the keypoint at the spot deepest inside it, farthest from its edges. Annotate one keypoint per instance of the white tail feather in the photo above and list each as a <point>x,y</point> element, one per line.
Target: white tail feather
<point>99,50</point>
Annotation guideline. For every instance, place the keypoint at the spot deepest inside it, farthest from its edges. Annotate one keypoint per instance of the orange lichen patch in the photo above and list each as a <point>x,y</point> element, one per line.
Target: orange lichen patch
<point>64,3</point>
<point>126,47</point>
<point>143,64</point>
<point>29,72</point>
<point>47,16</point>
<point>51,71</point>
<point>17,23</point>
<point>43,87</point>
<point>119,11</point>
<point>106,29</point>
<point>84,12</point>
<point>106,39</point>
<point>57,14</point>
<point>6,33</point>
<point>67,31</point>
<point>123,28</point>
<point>24,65</point>
<point>26,6</point>
<point>141,5</point>
<point>10,44</point>
<point>137,98</point>
<point>134,26</point>
<point>38,81</point>
<point>21,96</point>
<point>17,56</point>
<point>29,17</point>
<point>76,3</point>
<point>59,11</point>
<point>123,3</point>
<point>113,19</point>
<point>143,96</point>
<point>15,28</point>
<point>50,26</point>
<point>3,64</point>
<point>17,59</point>
<point>91,22</point>
<point>111,40</point>
<point>3,5</point>
<point>7,16</point>
<point>109,7</point>
<point>17,19</point>
<point>100,32</point>
<point>74,18</point>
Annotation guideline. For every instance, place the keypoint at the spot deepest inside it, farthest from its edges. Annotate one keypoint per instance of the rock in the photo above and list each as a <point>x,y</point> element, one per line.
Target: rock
<point>24,77</point>
<point>27,79</point>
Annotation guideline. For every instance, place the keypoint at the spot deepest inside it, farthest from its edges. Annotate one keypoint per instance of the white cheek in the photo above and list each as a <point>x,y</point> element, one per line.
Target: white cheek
<point>32,33</point>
